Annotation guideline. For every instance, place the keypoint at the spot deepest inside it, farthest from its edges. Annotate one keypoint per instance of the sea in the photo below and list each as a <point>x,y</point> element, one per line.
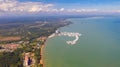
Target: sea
<point>99,45</point>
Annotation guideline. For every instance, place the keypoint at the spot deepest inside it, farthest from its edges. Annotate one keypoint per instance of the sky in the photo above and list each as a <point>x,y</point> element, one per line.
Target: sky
<point>82,3</point>
<point>73,1</point>
<point>21,7</point>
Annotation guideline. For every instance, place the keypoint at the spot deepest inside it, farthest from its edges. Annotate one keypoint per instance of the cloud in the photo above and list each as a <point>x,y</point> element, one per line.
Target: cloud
<point>16,6</point>
<point>62,9</point>
<point>82,10</point>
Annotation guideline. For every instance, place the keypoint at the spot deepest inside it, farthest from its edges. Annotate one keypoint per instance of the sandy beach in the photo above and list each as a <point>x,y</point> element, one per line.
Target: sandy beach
<point>41,60</point>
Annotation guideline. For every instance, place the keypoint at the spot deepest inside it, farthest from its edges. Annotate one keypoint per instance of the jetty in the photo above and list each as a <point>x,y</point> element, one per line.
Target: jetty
<point>69,34</point>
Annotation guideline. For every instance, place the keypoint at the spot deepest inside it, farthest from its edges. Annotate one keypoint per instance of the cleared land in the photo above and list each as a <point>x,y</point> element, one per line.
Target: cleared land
<point>11,38</point>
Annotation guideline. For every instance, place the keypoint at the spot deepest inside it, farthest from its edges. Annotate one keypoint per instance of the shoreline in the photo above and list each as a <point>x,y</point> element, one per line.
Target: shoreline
<point>43,46</point>
<point>41,54</point>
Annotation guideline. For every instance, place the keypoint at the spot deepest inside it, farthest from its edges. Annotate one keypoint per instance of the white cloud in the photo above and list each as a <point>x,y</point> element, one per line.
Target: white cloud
<point>16,6</point>
<point>62,9</point>
<point>82,10</point>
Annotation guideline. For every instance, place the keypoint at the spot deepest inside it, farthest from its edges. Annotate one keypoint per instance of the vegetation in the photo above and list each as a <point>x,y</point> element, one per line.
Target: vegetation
<point>26,35</point>
<point>11,59</point>
<point>31,30</point>
<point>37,54</point>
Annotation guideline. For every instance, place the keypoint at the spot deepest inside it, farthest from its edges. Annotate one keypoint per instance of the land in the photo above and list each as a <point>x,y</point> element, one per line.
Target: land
<point>10,38</point>
<point>21,43</point>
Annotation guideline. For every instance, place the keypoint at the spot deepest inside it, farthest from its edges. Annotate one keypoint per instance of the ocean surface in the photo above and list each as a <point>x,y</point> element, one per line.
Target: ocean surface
<point>99,45</point>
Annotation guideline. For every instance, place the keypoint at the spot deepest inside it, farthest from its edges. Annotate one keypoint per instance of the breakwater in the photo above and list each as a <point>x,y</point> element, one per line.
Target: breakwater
<point>69,34</point>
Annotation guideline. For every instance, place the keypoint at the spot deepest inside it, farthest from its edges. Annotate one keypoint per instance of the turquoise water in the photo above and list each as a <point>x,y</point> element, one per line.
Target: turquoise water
<point>99,45</point>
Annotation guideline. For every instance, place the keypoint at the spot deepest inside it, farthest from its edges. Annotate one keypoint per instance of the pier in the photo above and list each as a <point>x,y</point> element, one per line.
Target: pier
<point>69,34</point>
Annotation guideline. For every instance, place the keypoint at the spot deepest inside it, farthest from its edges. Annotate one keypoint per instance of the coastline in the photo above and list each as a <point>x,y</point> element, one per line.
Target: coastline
<point>43,46</point>
<point>41,51</point>
<point>41,54</point>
